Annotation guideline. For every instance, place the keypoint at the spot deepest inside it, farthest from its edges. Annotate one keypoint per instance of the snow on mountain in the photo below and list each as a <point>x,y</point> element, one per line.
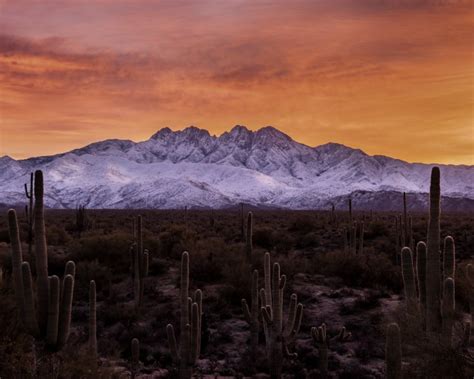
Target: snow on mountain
<point>193,168</point>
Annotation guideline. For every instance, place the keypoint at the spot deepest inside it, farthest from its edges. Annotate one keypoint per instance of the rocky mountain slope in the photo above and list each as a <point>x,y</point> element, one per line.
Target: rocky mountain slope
<point>192,168</point>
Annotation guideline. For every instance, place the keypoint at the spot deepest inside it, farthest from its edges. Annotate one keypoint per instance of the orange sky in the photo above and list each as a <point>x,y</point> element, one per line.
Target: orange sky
<point>389,77</point>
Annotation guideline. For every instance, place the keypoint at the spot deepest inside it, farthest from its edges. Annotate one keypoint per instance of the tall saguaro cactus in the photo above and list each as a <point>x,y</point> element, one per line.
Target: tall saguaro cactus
<point>52,317</point>
<point>405,222</point>
<point>277,335</point>
<point>409,282</point>
<point>140,263</point>
<point>448,312</point>
<point>31,323</point>
<point>17,259</point>
<point>29,212</point>
<point>190,326</point>
<point>393,353</point>
<point>92,320</point>
<point>252,314</point>
<point>41,253</point>
<point>433,279</point>
<point>421,277</point>
<point>449,258</point>
<point>53,312</point>
<point>248,238</point>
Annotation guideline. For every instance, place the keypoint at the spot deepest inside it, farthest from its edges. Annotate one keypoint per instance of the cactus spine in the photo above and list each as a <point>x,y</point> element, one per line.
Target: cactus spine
<point>248,238</point>
<point>92,320</point>
<point>252,314</point>
<point>393,353</point>
<point>433,280</point>
<point>190,325</point>
<point>41,253</point>
<point>322,341</point>
<point>17,259</point>
<point>277,336</point>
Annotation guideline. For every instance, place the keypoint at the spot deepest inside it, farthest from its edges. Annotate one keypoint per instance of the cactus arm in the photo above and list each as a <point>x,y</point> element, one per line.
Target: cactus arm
<point>246,311</point>
<point>266,315</point>
<point>172,343</point>
<point>65,311</point>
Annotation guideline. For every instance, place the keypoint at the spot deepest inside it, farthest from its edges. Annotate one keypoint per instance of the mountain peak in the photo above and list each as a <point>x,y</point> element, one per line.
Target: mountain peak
<point>163,132</point>
<point>273,132</point>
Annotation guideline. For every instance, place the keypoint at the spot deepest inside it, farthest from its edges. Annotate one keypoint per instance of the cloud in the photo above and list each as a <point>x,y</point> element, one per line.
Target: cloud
<point>367,73</point>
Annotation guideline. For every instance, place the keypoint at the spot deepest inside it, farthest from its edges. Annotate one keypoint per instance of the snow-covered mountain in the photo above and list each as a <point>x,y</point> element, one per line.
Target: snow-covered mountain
<point>192,168</point>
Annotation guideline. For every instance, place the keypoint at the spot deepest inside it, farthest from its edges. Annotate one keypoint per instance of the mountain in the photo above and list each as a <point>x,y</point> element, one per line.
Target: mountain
<point>193,168</point>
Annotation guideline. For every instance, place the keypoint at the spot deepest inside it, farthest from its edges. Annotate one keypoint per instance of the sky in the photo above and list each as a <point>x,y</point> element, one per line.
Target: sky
<point>391,77</point>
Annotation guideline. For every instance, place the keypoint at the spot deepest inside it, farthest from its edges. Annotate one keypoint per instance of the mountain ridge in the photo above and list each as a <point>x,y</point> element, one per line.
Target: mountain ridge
<point>194,168</point>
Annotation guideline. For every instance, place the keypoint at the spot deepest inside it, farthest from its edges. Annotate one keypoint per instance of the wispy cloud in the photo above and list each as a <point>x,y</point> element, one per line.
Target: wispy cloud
<point>369,73</point>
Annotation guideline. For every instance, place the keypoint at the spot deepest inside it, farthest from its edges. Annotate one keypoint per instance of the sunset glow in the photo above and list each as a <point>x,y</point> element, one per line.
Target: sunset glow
<point>388,77</point>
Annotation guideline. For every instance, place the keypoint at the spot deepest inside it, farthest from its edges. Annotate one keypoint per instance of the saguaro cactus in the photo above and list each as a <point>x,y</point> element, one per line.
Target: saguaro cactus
<point>248,238</point>
<point>470,280</point>
<point>82,220</point>
<point>242,222</point>
<point>322,342</point>
<point>421,278</point>
<point>393,353</point>
<point>135,348</point>
<point>53,312</point>
<point>361,238</point>
<point>54,304</point>
<point>140,263</point>
<point>448,311</point>
<point>41,253</point>
<point>190,325</point>
<point>449,258</point>
<point>405,221</point>
<point>277,336</point>
<point>409,282</point>
<point>31,323</point>
<point>252,314</point>
<point>92,320</point>
<point>29,212</point>
<point>65,311</point>
<point>433,280</point>
<point>17,259</point>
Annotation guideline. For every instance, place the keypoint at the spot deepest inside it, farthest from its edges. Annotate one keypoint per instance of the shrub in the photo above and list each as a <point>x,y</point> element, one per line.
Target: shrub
<point>264,238</point>
<point>175,240</point>
<point>363,270</point>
